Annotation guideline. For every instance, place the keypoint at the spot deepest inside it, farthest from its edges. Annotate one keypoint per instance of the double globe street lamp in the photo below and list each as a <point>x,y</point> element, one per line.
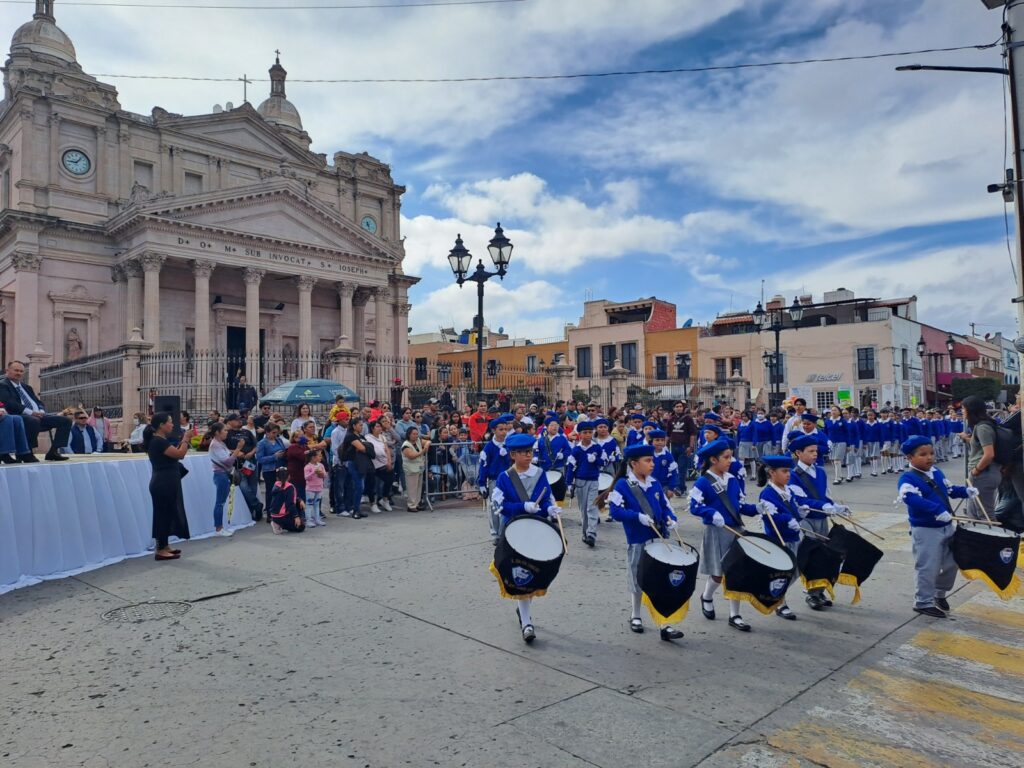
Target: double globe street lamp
<point>460,259</point>
<point>774,320</point>
<point>922,352</point>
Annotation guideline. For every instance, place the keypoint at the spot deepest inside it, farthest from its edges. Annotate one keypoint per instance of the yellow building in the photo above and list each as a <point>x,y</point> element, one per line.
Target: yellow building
<point>663,350</point>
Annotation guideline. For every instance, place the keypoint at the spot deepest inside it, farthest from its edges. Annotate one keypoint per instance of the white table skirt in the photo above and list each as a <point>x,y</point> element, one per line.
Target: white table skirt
<point>61,519</point>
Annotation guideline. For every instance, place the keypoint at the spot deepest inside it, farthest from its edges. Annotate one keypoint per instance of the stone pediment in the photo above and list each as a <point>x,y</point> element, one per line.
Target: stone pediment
<point>274,211</point>
<point>243,129</point>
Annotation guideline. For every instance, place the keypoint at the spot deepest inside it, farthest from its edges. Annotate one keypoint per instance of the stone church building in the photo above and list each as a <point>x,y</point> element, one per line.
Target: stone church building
<point>220,231</point>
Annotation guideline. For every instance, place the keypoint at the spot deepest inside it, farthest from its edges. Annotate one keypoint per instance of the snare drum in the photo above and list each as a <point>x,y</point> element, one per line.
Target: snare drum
<point>557,482</point>
<point>820,562</point>
<point>667,575</point>
<point>757,570</point>
<point>860,560</point>
<point>527,558</point>
<point>604,482</point>
<point>989,554</point>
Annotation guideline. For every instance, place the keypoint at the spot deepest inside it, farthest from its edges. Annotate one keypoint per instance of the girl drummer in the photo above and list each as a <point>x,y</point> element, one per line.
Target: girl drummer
<point>551,452</point>
<point>635,481</point>
<point>783,511</point>
<point>717,499</point>
<point>507,502</point>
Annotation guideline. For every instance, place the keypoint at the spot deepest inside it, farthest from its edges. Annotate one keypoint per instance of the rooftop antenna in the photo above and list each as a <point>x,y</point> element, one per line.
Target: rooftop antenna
<point>762,291</point>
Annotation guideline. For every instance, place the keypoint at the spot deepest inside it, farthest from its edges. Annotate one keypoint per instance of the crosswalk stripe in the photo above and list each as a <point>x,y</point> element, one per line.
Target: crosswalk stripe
<point>1000,657</point>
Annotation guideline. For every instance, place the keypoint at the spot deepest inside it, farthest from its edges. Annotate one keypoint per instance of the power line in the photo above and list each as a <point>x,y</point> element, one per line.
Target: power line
<point>576,76</point>
<point>335,7</point>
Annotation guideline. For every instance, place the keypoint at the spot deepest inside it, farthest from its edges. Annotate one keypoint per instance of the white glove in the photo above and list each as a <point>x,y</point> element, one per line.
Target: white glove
<point>591,457</point>
<point>804,510</point>
<point>553,514</point>
<point>829,509</point>
<point>793,525</point>
<point>645,520</point>
<point>531,507</point>
<point>842,510</point>
<point>972,492</point>
<point>483,490</point>
<point>945,517</point>
<point>717,520</point>
<point>559,456</point>
<point>671,524</point>
<point>766,507</point>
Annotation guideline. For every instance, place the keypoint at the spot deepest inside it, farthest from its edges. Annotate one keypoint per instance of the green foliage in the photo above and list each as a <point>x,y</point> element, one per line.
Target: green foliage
<point>985,388</point>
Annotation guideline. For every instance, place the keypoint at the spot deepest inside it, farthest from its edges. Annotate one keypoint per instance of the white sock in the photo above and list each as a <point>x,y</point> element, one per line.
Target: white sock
<point>734,608</point>
<point>849,470</point>
<point>709,589</point>
<point>524,612</point>
<point>836,465</point>
<point>634,600</point>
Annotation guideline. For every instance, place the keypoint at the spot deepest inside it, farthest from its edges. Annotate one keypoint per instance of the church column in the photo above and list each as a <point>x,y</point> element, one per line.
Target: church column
<point>26,302</point>
<point>359,299</point>
<point>28,155</point>
<point>151,266</point>
<point>101,160</point>
<point>305,285</point>
<point>253,278</point>
<point>381,322</point>
<point>126,172</point>
<point>202,270</point>
<point>55,148</point>
<point>345,292</point>
<point>133,298</point>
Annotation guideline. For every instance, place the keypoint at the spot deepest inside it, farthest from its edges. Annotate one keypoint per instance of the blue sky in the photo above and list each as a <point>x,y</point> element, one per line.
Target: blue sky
<point>694,188</point>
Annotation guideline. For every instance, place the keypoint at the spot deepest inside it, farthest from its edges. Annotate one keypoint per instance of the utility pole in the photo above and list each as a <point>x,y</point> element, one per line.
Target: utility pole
<point>1013,35</point>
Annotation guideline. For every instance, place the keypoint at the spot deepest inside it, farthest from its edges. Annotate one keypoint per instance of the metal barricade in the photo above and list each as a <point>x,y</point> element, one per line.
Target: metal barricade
<point>450,471</point>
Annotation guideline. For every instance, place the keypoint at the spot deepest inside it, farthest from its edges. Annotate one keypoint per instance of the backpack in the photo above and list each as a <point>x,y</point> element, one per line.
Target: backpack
<point>1008,441</point>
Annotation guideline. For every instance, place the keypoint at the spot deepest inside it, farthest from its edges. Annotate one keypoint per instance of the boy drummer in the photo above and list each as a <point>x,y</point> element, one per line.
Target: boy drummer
<point>494,460</point>
<point>782,509</point>
<point>552,451</point>
<point>582,469</point>
<point>522,489</point>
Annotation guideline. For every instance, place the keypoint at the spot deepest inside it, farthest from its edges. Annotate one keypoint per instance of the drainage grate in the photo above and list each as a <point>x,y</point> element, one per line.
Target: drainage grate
<point>150,611</point>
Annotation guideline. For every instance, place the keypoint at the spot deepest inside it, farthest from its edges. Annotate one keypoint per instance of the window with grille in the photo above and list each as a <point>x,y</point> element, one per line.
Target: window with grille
<point>607,357</point>
<point>583,363</point>
<point>629,356</point>
<point>720,373</point>
<point>905,363</point>
<point>444,371</point>
<point>824,400</point>
<point>661,367</point>
<point>735,366</point>
<point>866,363</point>
<point>467,370</point>
<point>531,363</point>
<point>421,369</point>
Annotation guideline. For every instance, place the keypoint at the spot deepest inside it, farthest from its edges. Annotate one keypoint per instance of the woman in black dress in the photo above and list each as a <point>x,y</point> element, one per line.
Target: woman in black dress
<point>165,485</point>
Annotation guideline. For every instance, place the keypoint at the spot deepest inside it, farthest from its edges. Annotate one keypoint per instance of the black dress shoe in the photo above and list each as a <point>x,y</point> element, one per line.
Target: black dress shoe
<point>737,622</point>
<point>707,614</point>
<point>931,610</point>
<point>28,458</point>
<point>52,455</point>
<point>590,541</point>
<point>815,603</point>
<point>636,624</point>
<point>785,613</point>
<point>6,458</point>
<point>942,603</point>
<point>669,634</point>
<point>528,634</point>
<point>825,601</point>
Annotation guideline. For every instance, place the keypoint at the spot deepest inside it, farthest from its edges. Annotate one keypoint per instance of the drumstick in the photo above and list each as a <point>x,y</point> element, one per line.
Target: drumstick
<point>978,500</point>
<point>990,524</point>
<point>734,532</point>
<point>774,527</point>
<point>679,536</point>
<point>863,528</point>
<point>814,534</point>
<point>561,530</point>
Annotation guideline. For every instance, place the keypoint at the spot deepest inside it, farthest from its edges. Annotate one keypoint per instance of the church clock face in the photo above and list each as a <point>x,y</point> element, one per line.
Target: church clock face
<point>76,162</point>
<point>369,224</point>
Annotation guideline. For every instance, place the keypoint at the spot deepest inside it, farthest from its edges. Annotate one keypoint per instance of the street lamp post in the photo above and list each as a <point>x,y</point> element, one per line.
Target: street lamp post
<point>774,321</point>
<point>683,372</point>
<point>950,345</point>
<point>460,259</point>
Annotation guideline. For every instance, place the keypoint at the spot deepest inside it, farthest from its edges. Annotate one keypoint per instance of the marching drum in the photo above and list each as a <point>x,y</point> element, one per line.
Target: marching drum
<point>604,482</point>
<point>861,558</point>
<point>820,562</point>
<point>757,570</point>
<point>527,557</point>
<point>557,482</point>
<point>989,554</point>
<point>667,576</point>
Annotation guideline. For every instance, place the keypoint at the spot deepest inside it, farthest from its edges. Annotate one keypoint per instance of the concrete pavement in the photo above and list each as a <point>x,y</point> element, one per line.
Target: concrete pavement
<point>383,642</point>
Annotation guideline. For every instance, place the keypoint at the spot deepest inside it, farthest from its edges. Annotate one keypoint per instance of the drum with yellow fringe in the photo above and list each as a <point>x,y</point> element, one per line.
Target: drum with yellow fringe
<point>989,554</point>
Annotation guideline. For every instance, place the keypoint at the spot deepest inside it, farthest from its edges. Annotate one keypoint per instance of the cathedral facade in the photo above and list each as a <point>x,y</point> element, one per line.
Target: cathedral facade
<point>220,231</point>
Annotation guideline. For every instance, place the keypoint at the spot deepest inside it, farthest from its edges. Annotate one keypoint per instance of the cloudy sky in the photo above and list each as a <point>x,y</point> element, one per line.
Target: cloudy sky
<point>691,187</point>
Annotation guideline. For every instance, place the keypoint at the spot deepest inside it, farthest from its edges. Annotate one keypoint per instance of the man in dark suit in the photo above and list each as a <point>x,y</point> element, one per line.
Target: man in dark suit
<point>20,399</point>
<point>84,438</point>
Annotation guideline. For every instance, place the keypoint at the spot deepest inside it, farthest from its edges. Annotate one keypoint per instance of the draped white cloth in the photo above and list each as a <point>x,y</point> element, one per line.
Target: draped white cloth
<point>58,520</point>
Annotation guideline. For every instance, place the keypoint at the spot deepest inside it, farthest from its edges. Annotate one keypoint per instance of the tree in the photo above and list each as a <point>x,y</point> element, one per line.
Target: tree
<point>983,387</point>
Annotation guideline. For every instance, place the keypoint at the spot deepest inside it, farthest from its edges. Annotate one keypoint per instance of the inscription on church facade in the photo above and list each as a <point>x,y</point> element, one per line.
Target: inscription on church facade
<point>211,246</point>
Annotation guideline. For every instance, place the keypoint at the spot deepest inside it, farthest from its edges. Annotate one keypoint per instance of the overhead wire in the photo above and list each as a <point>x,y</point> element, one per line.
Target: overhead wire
<point>577,75</point>
<point>290,7</point>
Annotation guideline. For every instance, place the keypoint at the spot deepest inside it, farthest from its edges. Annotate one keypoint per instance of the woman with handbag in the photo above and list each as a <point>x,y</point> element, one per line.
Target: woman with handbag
<point>223,460</point>
<point>379,485</point>
<point>165,485</point>
<point>357,454</point>
<point>414,449</point>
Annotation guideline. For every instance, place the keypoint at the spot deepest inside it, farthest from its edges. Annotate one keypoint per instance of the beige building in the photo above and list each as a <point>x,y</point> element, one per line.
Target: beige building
<point>215,231</point>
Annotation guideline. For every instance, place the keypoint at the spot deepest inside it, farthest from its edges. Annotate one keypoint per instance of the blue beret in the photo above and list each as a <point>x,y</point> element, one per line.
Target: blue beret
<point>635,416</point>
<point>598,422</point>
<point>778,462</point>
<point>914,442</point>
<point>655,433</point>
<point>712,428</point>
<point>552,420</point>
<point>808,416</point>
<point>638,450</point>
<point>714,448</point>
<point>712,416</point>
<point>585,425</point>
<point>505,418</point>
<point>652,424</point>
<point>731,443</point>
<point>519,442</point>
<point>799,441</point>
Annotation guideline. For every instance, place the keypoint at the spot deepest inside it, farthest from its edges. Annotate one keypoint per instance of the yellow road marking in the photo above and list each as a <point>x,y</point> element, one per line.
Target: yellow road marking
<point>1002,658</point>
<point>1007,618</point>
<point>842,748</point>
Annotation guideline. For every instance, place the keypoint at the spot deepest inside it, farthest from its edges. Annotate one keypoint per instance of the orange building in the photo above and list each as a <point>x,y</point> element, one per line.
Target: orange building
<point>663,349</point>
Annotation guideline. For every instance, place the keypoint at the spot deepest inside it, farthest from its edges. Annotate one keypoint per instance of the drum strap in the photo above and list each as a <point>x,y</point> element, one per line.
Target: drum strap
<point>808,484</point>
<point>517,483</point>
<point>723,496</point>
<point>935,487</point>
<point>645,505</point>
<point>550,453</point>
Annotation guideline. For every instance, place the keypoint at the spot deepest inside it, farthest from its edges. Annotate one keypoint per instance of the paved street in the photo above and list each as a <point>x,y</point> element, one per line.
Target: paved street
<point>383,642</point>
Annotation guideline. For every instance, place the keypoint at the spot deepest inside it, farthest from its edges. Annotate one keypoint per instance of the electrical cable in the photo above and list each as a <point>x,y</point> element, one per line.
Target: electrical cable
<point>335,7</point>
<point>576,76</point>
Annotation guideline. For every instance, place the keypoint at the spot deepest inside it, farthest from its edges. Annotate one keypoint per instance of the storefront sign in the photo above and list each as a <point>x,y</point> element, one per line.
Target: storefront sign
<point>823,378</point>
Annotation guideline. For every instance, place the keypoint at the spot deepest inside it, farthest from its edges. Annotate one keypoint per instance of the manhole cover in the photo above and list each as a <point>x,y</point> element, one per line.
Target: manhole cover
<point>147,611</point>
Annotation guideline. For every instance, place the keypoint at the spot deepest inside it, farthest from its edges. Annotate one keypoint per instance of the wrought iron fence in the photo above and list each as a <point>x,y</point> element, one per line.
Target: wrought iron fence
<point>89,382</point>
<point>650,391</point>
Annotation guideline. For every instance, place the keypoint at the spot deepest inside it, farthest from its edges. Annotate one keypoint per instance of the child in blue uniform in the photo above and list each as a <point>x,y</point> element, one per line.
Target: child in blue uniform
<point>494,460</point>
<point>551,452</point>
<point>853,443</point>
<point>809,485</point>
<point>871,433</point>
<point>636,429</point>
<point>745,440</point>
<point>778,429</point>
<point>582,469</point>
<point>838,436</point>
<point>638,501</point>
<point>522,489</point>
<point>611,456</point>
<point>716,498</point>
<point>780,505</point>
<point>809,426</point>
<point>762,434</point>
<point>666,471</point>
<point>926,492</point>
